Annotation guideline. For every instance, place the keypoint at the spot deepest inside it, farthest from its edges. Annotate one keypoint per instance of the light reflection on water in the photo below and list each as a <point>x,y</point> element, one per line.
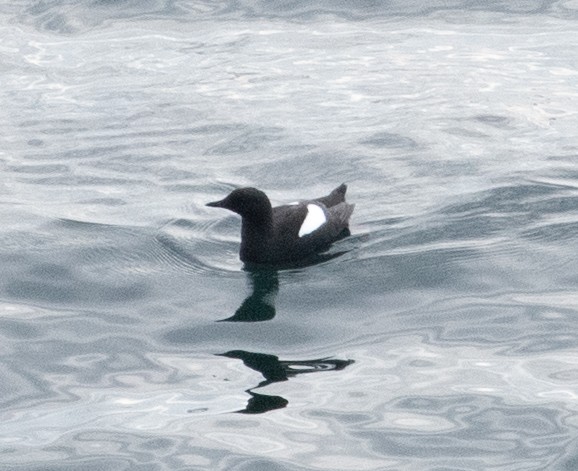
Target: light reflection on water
<point>442,337</point>
<point>454,400</point>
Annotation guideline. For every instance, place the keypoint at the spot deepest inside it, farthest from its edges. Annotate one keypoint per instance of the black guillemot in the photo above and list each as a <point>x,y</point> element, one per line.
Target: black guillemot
<point>291,232</point>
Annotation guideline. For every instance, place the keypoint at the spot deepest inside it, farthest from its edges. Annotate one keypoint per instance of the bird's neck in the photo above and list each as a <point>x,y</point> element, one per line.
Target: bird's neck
<point>255,239</point>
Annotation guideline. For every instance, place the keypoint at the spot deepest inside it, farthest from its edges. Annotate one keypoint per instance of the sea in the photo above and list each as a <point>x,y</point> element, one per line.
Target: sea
<point>442,335</point>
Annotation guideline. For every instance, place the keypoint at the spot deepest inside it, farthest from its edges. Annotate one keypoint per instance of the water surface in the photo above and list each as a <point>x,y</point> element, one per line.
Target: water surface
<point>445,337</point>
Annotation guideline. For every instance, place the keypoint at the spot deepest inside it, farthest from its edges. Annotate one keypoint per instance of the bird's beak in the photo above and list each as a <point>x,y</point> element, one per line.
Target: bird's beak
<point>216,204</point>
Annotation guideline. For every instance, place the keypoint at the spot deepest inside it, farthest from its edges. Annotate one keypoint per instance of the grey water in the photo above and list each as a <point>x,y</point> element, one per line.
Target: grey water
<point>443,338</point>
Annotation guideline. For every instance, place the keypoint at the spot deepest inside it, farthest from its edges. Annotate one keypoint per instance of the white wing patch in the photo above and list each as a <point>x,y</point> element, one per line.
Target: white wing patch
<point>314,220</point>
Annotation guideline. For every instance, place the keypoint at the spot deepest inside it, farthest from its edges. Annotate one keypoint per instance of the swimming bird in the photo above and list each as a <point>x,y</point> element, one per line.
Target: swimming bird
<point>291,232</point>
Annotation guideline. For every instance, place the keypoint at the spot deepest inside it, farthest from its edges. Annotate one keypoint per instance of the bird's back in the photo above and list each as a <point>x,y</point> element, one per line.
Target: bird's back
<point>290,232</point>
<point>288,245</point>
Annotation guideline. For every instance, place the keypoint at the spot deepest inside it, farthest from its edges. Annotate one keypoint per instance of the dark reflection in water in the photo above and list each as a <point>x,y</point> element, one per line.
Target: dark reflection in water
<point>274,371</point>
<point>259,305</point>
<point>264,280</point>
<point>260,403</point>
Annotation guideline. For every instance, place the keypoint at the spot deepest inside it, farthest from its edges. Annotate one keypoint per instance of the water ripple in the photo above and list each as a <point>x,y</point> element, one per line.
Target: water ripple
<point>443,338</point>
<point>68,17</point>
<point>192,246</point>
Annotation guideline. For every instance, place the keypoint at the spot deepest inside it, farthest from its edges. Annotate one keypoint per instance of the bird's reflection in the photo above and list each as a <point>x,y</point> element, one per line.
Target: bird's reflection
<point>260,304</point>
<point>274,371</point>
<point>264,280</point>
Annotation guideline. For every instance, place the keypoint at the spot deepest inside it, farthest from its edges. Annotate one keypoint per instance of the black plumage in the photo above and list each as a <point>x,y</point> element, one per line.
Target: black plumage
<point>271,235</point>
